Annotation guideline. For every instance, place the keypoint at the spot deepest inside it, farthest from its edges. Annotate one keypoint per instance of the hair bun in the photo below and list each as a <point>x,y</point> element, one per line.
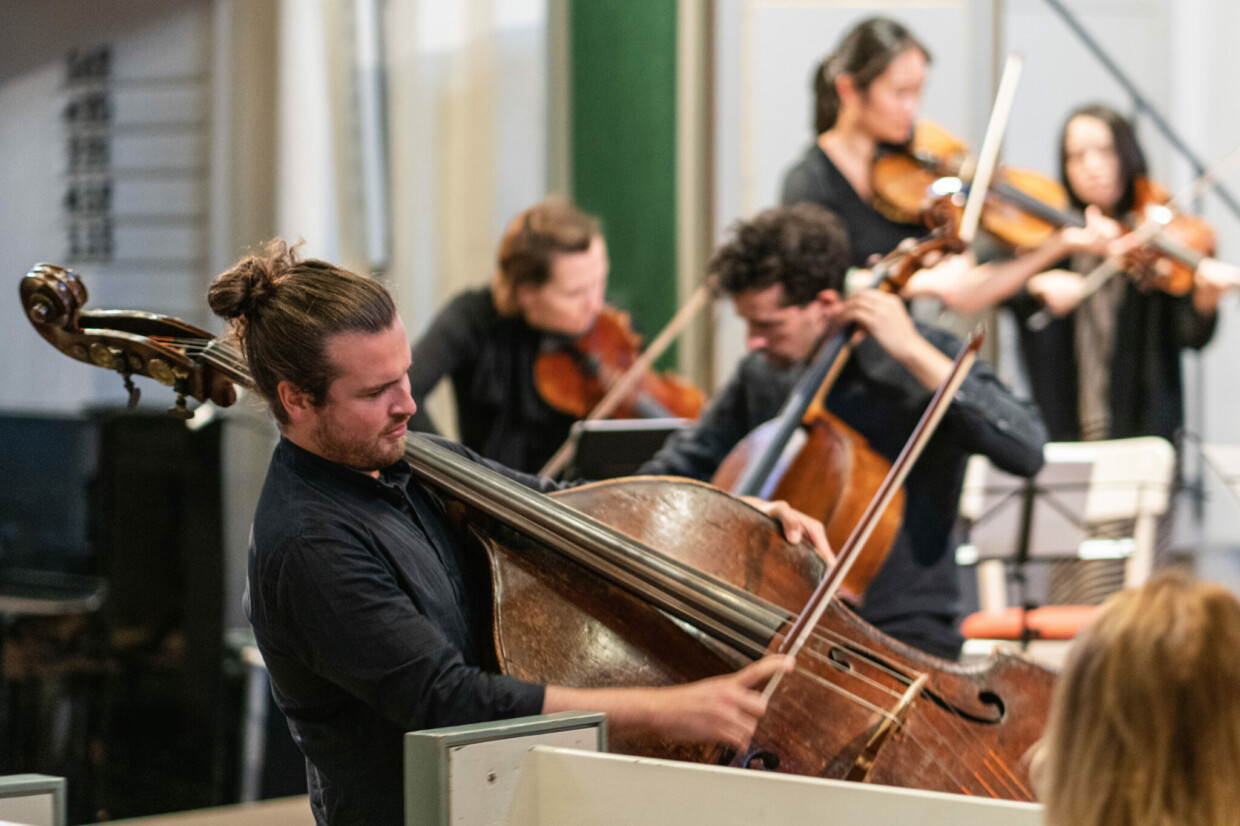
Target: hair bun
<point>243,291</point>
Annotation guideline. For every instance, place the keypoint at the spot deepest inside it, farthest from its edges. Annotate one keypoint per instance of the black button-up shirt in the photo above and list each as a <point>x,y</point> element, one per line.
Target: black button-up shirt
<point>373,621</point>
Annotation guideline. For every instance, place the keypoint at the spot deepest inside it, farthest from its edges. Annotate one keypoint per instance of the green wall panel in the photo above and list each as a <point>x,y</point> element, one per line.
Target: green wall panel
<point>623,111</point>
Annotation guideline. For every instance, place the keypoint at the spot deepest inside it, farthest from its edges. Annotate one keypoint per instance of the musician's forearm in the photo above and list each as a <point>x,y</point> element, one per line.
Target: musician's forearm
<point>926,364</point>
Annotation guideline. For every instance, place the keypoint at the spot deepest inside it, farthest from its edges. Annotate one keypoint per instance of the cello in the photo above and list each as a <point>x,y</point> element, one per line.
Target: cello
<point>624,613</point>
<point>810,458</point>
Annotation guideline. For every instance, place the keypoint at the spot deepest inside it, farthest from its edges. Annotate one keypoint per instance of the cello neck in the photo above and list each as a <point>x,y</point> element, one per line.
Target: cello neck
<point>808,389</point>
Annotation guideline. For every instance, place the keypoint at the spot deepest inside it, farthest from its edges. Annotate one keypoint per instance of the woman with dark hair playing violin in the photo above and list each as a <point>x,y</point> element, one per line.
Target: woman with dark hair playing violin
<point>1107,366</point>
<point>867,95</point>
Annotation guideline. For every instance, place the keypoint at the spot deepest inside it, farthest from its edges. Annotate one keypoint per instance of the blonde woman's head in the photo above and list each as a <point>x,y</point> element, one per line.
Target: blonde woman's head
<point>1145,723</point>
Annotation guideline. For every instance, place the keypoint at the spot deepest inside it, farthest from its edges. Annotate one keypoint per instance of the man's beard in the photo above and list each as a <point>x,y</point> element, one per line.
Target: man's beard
<point>372,454</point>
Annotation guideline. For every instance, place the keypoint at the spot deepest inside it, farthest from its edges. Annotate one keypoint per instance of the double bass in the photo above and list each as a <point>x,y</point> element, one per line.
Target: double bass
<point>654,582</point>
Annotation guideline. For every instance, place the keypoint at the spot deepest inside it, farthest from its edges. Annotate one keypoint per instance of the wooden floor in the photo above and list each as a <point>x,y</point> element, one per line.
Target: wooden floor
<point>287,811</point>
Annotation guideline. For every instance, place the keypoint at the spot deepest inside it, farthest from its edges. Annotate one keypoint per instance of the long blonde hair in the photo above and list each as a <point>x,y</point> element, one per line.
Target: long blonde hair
<point>1144,727</point>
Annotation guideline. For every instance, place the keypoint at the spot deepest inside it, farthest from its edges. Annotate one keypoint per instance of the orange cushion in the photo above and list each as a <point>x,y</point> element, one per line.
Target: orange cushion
<point>1051,622</point>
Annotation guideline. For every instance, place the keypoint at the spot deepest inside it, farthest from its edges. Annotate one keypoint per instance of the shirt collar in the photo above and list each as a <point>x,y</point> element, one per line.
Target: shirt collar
<point>306,463</point>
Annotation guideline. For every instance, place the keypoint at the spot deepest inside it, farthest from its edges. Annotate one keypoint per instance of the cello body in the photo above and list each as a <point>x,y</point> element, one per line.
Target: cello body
<point>830,473</point>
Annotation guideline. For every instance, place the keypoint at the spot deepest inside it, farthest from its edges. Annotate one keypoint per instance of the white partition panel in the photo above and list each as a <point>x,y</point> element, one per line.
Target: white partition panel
<point>561,787</point>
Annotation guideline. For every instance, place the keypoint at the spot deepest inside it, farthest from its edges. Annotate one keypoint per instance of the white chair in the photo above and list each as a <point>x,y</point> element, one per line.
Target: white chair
<point>1084,485</point>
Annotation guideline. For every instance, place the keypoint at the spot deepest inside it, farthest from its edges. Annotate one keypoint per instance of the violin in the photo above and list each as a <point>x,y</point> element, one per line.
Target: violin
<point>652,582</point>
<point>1022,209</point>
<point>1168,262</point>
<point>832,473</point>
<point>574,380</point>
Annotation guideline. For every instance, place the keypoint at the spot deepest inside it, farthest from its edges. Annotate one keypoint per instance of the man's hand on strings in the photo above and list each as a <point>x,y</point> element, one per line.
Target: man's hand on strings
<point>884,317</point>
<point>724,709</point>
<point>797,526</point>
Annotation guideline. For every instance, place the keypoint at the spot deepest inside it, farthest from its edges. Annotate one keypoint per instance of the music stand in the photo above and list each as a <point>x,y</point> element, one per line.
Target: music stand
<point>1015,521</point>
<point>608,448</point>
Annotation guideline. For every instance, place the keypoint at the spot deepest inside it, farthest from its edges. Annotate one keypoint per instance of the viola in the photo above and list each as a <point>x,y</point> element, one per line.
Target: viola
<point>583,597</point>
<point>1022,207</point>
<point>574,380</point>
<point>813,460</point>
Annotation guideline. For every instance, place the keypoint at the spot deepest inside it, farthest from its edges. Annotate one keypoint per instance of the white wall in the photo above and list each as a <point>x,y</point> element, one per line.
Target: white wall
<point>467,108</point>
<point>159,65</point>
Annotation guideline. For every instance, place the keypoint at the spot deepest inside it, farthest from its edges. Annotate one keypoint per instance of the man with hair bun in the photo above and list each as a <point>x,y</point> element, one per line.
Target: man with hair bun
<point>784,271</point>
<point>367,612</point>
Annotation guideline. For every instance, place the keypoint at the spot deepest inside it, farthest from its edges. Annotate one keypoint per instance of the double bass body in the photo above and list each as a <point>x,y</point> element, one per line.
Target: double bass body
<point>966,729</point>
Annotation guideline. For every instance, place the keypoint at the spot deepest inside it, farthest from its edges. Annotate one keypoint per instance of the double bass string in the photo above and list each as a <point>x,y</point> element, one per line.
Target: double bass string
<point>214,352</point>
<point>227,357</point>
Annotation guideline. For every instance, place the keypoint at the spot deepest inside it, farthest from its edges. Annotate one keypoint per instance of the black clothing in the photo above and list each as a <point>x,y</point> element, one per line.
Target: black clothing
<point>490,359</point>
<point>915,594</point>
<point>1146,386</point>
<point>372,622</point>
<point>817,180</point>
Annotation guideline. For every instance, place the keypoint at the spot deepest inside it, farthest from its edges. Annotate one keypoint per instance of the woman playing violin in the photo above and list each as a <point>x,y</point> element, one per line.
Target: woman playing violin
<point>1110,367</point>
<point>547,290</point>
<point>867,96</point>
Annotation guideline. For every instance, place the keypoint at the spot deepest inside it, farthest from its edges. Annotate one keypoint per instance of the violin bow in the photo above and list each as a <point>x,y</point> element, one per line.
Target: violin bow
<point>988,156</point>
<point>803,628</point>
<point>623,386</point>
<point>1153,223</point>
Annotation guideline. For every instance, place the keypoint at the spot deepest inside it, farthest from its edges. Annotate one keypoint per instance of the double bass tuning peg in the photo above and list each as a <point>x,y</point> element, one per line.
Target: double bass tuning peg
<point>180,411</point>
<point>134,391</point>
